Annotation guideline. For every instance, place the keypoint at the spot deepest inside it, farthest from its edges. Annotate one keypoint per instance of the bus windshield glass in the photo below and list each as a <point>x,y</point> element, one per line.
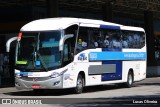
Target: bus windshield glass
<point>38,51</point>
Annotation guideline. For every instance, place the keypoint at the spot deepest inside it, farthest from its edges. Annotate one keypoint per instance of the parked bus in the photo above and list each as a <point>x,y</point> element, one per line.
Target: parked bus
<point>59,53</point>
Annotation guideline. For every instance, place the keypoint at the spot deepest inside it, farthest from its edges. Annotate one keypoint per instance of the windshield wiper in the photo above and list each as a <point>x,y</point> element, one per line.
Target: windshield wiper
<point>38,54</point>
<point>35,55</point>
<point>42,61</point>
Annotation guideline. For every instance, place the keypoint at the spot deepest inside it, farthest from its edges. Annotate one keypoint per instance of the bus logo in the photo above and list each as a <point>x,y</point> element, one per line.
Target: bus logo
<point>34,79</point>
<point>82,57</point>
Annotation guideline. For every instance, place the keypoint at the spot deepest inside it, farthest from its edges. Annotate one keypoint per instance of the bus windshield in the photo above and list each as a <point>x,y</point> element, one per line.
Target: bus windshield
<point>38,51</point>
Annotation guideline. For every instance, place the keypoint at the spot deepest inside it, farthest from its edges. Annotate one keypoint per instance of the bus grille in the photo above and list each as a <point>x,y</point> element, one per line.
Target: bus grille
<point>35,78</point>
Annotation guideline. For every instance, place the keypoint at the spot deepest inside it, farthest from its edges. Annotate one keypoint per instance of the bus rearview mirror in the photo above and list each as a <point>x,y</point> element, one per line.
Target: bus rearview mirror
<point>61,44</point>
<point>8,43</point>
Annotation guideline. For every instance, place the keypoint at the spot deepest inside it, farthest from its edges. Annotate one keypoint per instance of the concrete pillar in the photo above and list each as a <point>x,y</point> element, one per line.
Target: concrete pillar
<point>148,22</point>
<point>107,13</point>
<point>52,8</point>
<point>2,43</point>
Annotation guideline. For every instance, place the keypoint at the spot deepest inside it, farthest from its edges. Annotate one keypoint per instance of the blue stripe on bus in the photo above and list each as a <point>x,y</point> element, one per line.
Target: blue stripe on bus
<point>102,56</point>
<point>109,27</point>
<point>24,74</point>
<point>113,76</point>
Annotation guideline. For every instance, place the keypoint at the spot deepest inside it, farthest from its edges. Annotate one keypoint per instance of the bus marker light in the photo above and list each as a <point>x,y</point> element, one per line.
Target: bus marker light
<point>19,36</point>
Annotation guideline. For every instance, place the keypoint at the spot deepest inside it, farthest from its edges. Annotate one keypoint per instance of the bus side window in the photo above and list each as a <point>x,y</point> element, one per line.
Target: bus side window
<point>111,38</point>
<point>142,39</point>
<point>72,30</point>
<point>82,40</point>
<point>125,43</point>
<point>67,53</point>
<point>133,39</point>
<point>93,35</point>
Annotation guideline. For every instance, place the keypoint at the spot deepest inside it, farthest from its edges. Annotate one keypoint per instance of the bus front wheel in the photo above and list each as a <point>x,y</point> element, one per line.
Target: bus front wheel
<point>79,85</point>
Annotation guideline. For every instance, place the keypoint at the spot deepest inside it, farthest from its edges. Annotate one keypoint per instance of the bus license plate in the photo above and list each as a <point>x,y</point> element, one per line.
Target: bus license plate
<point>35,86</point>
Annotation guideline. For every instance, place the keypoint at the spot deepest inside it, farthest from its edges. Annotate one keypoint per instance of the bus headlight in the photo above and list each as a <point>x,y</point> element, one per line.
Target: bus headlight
<point>17,76</point>
<point>57,74</point>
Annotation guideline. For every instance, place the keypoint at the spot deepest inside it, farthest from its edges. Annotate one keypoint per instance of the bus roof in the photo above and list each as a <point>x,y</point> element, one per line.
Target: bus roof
<point>62,23</point>
<point>132,28</point>
<point>49,24</point>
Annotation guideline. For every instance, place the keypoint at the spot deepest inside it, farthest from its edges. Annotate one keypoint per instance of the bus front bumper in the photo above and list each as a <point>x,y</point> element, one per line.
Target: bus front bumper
<point>39,83</point>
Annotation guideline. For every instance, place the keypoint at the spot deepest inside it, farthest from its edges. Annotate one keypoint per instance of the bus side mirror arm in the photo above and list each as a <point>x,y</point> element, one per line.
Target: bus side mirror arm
<point>61,44</point>
<point>9,42</point>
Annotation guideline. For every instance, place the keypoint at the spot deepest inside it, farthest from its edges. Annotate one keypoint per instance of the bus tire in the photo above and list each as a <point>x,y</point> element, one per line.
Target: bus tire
<point>79,84</point>
<point>129,82</point>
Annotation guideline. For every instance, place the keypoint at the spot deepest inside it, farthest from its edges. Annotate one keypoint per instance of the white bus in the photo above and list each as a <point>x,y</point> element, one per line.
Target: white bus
<point>58,53</point>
